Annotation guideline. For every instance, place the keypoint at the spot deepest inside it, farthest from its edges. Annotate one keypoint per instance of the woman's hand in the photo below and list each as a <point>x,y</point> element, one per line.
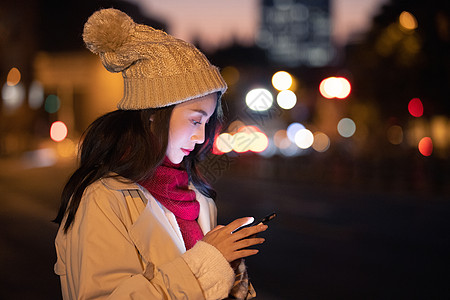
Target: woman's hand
<point>233,245</point>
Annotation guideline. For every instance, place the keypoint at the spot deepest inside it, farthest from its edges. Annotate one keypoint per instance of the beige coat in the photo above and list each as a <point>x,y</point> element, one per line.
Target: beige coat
<point>124,244</point>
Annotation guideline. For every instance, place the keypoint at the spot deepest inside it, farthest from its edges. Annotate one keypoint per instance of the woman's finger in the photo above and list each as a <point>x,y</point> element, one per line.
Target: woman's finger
<point>243,253</point>
<point>249,231</point>
<point>239,223</point>
<point>245,243</point>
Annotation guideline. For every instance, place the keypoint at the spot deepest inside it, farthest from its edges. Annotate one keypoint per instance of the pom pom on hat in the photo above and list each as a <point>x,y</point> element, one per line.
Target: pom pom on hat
<point>107,30</point>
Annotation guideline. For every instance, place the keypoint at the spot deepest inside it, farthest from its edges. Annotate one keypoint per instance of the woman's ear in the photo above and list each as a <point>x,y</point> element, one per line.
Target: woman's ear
<point>151,118</point>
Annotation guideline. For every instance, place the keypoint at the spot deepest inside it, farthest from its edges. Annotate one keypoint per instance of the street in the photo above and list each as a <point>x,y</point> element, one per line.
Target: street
<point>325,243</point>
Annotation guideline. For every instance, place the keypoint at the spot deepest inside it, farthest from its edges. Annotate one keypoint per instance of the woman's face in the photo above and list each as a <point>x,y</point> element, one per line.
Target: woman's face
<point>187,126</point>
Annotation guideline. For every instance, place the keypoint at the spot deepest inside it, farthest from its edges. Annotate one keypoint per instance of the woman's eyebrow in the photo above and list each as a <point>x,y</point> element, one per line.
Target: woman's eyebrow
<point>200,111</point>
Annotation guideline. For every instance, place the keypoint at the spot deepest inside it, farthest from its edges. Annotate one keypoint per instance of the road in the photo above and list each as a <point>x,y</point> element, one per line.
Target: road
<point>326,243</point>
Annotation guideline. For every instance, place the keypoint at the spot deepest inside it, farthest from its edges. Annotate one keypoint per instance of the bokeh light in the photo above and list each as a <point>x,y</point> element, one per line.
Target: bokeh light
<point>346,127</point>
<point>321,142</point>
<point>36,95</point>
<point>292,130</point>
<point>282,80</point>
<point>224,142</point>
<point>335,87</point>
<point>280,139</point>
<point>395,135</point>
<point>286,99</point>
<point>58,131</point>
<point>270,151</point>
<point>415,107</point>
<point>426,146</point>
<point>230,74</point>
<point>235,126</point>
<point>52,104</point>
<point>259,99</point>
<point>304,138</point>
<point>13,77</point>
<point>13,97</point>
<point>259,143</point>
<point>242,142</point>
<point>407,21</point>
<point>66,148</point>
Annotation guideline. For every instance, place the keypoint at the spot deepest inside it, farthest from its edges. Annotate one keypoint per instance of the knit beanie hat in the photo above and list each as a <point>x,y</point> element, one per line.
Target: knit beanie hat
<point>158,69</point>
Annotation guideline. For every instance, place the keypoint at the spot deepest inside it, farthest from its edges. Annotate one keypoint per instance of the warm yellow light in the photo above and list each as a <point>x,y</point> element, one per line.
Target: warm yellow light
<point>224,142</point>
<point>335,87</point>
<point>259,143</point>
<point>242,142</point>
<point>66,148</point>
<point>230,74</point>
<point>13,77</point>
<point>407,21</point>
<point>282,80</point>
<point>234,126</point>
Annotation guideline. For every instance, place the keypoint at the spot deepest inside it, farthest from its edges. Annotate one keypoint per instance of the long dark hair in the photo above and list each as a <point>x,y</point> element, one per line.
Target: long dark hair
<point>126,143</point>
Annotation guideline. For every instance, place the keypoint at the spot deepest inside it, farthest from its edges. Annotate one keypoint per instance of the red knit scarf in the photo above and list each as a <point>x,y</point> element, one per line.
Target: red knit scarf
<point>169,185</point>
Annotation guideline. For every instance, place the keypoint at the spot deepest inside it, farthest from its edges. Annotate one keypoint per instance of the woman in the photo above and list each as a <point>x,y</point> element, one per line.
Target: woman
<point>136,218</point>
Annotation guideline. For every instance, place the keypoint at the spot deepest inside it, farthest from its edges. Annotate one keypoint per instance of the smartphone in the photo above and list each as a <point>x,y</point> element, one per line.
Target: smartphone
<point>264,220</point>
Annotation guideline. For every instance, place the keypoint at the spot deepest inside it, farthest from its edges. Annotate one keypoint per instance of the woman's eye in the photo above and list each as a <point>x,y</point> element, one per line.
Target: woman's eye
<point>196,122</point>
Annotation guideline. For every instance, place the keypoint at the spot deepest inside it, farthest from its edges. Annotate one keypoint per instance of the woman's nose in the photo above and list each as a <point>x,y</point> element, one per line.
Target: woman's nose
<point>199,135</point>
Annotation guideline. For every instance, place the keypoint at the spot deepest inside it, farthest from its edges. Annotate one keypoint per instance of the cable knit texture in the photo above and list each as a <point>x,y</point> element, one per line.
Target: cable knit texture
<point>214,273</point>
<point>158,69</point>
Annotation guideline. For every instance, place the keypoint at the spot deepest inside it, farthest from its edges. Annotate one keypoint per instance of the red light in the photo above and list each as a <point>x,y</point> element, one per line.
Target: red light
<point>415,107</point>
<point>426,146</point>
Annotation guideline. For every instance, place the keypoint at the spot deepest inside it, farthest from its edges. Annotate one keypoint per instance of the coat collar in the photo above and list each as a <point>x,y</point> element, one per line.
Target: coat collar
<point>156,226</point>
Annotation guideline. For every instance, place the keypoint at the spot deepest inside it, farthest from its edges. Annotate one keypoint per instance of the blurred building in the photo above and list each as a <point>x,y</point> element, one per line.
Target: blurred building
<point>296,32</point>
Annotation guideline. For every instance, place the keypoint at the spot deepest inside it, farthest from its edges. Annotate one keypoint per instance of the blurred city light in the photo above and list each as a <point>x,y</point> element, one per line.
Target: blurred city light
<point>230,74</point>
<point>290,150</point>
<point>346,127</point>
<point>259,99</point>
<point>286,99</point>
<point>259,143</point>
<point>270,151</point>
<point>292,130</point>
<point>282,80</point>
<point>40,158</point>
<point>66,148</point>
<point>395,135</point>
<point>335,87</point>
<point>280,139</point>
<point>440,127</point>
<point>415,107</point>
<point>13,77</point>
<point>52,104</point>
<point>407,21</point>
<point>13,96</point>
<point>235,126</point>
<point>304,138</point>
<point>36,95</point>
<point>58,131</point>
<point>224,142</point>
<point>426,146</point>
<point>321,142</point>
<point>241,142</point>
